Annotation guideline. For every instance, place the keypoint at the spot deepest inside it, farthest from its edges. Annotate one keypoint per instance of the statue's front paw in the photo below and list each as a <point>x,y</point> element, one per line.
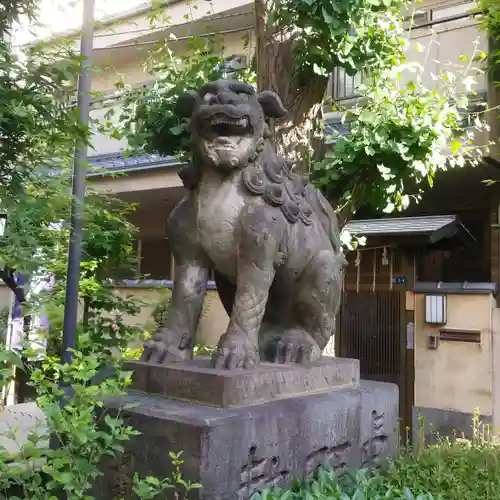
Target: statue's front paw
<point>292,346</point>
<point>235,351</point>
<point>165,348</point>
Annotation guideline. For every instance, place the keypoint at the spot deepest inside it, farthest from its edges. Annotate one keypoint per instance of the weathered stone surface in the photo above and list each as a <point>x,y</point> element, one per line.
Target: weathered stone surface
<point>197,382</point>
<point>235,452</point>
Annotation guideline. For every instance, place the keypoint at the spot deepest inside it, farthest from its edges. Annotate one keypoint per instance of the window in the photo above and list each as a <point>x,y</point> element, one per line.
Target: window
<point>232,65</point>
<point>417,19</point>
<point>344,85</point>
<point>440,15</point>
<point>456,9</point>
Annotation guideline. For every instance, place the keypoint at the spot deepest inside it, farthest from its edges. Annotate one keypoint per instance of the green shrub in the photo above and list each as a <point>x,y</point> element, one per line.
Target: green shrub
<point>134,353</point>
<point>203,350</point>
<point>450,469</point>
<point>329,486</point>
<point>72,397</point>
<point>456,469</point>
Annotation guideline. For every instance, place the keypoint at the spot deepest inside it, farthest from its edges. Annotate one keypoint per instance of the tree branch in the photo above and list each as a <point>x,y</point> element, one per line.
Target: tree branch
<point>7,275</point>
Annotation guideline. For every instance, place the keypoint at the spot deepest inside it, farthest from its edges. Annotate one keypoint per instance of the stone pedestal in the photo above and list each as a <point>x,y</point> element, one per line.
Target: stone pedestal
<point>197,382</point>
<point>263,426</point>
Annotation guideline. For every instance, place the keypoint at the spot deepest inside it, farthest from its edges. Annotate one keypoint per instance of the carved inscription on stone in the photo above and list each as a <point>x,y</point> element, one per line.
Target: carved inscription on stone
<point>260,473</point>
<point>333,457</point>
<point>374,448</point>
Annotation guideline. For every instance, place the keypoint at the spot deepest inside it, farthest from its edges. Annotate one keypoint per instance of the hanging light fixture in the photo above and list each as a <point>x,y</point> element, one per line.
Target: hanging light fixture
<point>385,257</point>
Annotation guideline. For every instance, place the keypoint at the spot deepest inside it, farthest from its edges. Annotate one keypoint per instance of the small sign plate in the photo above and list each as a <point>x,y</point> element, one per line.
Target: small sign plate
<point>399,280</point>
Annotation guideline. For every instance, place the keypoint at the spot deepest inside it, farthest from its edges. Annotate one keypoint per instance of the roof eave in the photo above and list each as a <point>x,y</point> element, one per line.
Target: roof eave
<point>106,22</point>
<point>452,229</point>
<point>136,168</point>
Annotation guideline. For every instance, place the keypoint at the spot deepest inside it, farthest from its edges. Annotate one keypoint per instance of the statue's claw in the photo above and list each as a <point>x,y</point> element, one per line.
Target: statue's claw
<point>294,346</point>
<point>162,350</point>
<point>235,351</point>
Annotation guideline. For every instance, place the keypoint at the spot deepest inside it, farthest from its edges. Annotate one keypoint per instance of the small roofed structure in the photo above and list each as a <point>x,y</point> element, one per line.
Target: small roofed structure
<point>419,230</point>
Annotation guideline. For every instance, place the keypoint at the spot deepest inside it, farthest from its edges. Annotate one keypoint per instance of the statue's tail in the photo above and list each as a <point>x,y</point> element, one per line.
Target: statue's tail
<point>327,217</point>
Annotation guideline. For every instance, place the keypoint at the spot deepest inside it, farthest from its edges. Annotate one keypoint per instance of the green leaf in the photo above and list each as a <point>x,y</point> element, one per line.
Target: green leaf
<point>368,117</point>
<point>177,129</point>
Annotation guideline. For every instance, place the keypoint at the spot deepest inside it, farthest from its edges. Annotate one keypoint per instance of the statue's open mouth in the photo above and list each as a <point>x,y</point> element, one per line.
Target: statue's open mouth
<point>225,126</point>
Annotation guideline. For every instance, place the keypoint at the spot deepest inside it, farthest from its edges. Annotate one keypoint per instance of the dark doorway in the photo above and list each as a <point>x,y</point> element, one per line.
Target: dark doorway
<point>371,329</point>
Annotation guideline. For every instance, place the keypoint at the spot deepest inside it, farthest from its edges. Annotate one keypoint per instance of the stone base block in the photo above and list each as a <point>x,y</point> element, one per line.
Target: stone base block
<point>197,381</point>
<point>236,452</point>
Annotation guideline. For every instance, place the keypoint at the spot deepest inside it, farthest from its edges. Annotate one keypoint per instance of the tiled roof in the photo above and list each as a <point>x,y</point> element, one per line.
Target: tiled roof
<point>456,288</point>
<point>400,225</point>
<point>120,162</point>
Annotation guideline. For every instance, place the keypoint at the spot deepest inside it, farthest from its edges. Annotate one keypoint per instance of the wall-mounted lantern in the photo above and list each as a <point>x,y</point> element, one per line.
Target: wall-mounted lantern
<point>435,309</point>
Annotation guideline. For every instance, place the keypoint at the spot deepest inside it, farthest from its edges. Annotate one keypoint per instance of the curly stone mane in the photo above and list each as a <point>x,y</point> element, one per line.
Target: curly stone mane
<point>274,181</point>
<point>280,187</point>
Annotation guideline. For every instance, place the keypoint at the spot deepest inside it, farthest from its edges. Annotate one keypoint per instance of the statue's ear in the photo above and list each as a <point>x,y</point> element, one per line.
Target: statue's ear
<point>271,104</point>
<point>186,103</point>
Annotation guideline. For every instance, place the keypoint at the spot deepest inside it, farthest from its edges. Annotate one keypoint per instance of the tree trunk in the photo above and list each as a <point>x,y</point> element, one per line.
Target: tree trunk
<point>298,137</point>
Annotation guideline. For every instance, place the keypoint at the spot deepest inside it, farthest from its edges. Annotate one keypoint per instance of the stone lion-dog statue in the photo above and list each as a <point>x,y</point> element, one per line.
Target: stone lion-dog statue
<point>271,238</point>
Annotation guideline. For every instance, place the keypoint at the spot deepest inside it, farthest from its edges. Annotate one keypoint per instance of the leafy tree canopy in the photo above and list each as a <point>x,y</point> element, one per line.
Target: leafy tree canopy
<point>12,10</point>
<point>38,129</point>
<point>345,34</point>
<point>400,135</point>
<point>490,21</point>
<point>147,118</point>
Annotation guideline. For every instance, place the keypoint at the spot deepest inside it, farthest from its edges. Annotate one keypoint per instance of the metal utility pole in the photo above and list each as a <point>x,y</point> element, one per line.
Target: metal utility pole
<point>79,171</point>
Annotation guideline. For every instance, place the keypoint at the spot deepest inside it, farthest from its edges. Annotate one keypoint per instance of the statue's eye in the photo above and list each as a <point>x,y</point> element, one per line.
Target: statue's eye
<point>209,98</point>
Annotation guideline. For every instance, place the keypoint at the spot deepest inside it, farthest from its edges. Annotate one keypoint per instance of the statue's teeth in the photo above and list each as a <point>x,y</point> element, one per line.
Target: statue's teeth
<point>229,121</point>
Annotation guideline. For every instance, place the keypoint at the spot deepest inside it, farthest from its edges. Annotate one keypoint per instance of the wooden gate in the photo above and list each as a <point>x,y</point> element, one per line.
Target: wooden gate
<point>370,329</point>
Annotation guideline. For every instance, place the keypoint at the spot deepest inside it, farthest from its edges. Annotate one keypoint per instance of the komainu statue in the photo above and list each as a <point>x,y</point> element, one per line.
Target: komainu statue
<point>271,238</point>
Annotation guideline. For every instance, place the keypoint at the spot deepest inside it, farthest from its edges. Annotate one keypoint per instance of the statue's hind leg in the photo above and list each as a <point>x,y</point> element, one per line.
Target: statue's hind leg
<point>316,300</point>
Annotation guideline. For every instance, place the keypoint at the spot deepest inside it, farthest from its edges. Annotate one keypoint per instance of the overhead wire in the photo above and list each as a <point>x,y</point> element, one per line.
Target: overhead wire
<point>148,31</point>
<point>155,30</point>
<point>179,39</point>
<point>428,24</point>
